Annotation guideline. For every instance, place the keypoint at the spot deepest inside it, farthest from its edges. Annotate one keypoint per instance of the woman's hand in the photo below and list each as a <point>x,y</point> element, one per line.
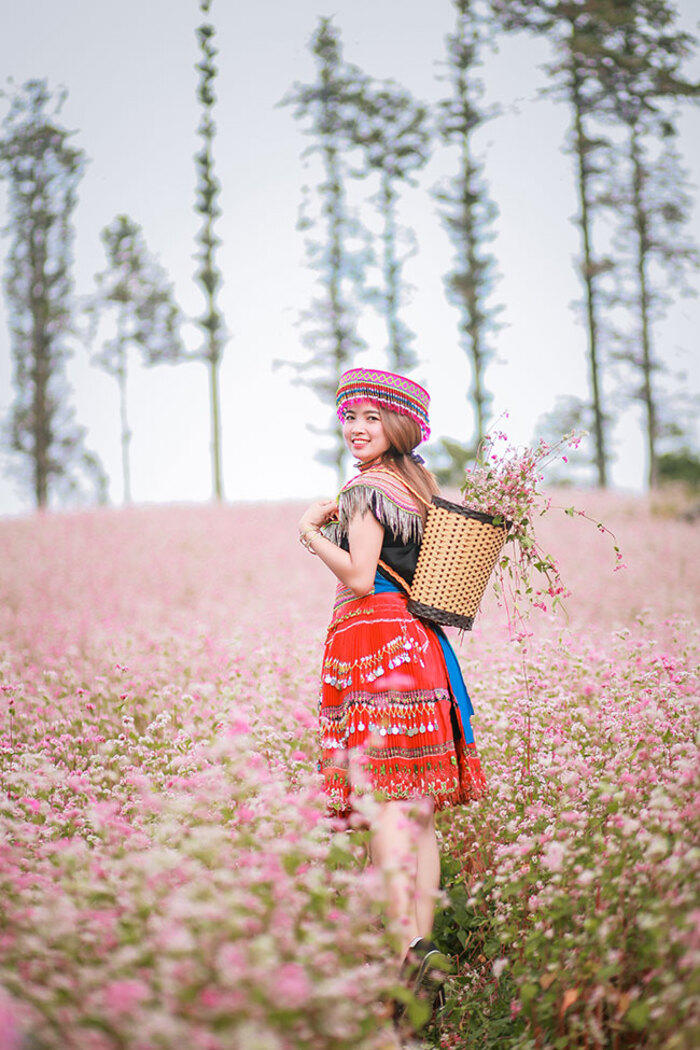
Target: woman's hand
<point>356,567</point>
<point>317,514</point>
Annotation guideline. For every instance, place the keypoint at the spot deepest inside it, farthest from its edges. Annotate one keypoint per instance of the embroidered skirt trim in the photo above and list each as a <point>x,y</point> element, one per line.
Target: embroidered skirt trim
<point>388,721</point>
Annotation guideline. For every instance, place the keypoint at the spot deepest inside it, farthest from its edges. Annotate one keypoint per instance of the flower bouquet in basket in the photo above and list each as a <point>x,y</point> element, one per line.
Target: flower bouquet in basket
<point>493,529</point>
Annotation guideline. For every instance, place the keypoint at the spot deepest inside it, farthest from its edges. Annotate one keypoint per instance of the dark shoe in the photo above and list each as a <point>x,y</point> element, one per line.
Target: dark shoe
<point>434,968</point>
<point>440,1002</point>
<point>425,969</point>
<point>407,977</point>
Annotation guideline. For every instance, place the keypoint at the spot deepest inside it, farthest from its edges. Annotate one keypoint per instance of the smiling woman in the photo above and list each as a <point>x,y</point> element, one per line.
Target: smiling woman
<point>391,693</point>
<point>364,432</point>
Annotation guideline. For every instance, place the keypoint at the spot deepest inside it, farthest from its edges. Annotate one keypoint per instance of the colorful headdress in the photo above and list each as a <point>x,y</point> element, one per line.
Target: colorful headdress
<point>387,389</point>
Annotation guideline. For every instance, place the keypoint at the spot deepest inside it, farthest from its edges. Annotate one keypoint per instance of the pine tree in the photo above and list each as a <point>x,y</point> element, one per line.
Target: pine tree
<point>338,251</point>
<point>207,274</point>
<point>43,171</point>
<point>577,30</point>
<point>468,215</point>
<point>135,288</point>
<point>642,77</point>
<point>391,130</point>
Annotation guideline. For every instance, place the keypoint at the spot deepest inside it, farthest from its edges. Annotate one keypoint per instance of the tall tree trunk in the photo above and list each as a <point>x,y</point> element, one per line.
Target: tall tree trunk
<point>468,219</point>
<point>390,271</point>
<point>42,172</point>
<point>575,85</point>
<point>212,356</point>
<point>334,211</point>
<point>40,409</point>
<point>125,432</point>
<point>41,371</point>
<point>214,361</point>
<point>472,323</point>
<point>208,275</point>
<point>331,254</point>
<point>641,227</point>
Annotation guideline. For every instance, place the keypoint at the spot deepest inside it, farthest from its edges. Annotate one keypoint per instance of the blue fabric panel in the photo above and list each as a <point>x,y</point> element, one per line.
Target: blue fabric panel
<point>454,671</point>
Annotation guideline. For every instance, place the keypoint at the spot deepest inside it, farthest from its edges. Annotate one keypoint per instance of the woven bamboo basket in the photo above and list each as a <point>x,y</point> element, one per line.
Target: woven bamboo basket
<point>458,553</point>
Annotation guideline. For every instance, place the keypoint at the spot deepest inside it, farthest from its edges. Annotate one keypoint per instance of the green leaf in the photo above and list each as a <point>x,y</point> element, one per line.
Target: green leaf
<point>418,1012</point>
<point>638,1015</point>
<point>528,992</point>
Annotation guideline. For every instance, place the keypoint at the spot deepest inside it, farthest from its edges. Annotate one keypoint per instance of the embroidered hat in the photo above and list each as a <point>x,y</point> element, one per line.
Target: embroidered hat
<point>388,389</point>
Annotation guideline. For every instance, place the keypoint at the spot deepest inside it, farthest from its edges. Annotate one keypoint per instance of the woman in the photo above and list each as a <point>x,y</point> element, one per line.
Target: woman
<point>393,710</point>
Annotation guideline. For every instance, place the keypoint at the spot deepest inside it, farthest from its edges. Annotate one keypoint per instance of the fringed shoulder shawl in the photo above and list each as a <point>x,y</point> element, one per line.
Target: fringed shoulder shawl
<point>384,494</point>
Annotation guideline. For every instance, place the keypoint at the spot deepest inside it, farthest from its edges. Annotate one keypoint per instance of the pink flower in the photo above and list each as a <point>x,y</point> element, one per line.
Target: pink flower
<point>553,856</point>
<point>123,996</point>
<point>10,1034</point>
<point>292,986</point>
<point>212,998</point>
<point>231,959</point>
<point>238,726</point>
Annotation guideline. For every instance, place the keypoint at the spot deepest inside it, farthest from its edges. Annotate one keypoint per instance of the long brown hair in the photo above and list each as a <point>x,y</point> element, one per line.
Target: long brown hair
<point>403,434</point>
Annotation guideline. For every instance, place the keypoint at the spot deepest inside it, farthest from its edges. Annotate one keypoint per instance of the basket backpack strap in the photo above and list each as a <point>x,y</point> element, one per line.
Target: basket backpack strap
<point>399,579</point>
<point>418,496</point>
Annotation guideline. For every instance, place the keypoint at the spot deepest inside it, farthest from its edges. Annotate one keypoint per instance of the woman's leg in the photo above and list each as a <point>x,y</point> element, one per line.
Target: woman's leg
<point>393,849</point>
<point>404,845</point>
<point>427,872</point>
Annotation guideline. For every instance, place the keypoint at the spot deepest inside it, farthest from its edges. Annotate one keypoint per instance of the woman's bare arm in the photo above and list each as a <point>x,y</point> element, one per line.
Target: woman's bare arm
<point>357,567</point>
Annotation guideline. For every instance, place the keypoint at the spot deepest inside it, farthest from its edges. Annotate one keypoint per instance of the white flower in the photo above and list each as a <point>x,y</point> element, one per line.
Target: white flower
<point>553,856</point>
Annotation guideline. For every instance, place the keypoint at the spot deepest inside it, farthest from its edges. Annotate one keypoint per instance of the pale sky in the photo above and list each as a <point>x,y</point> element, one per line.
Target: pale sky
<point>129,71</point>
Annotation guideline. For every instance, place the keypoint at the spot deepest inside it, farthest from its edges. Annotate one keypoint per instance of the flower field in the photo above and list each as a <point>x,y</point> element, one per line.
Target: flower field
<point>168,879</point>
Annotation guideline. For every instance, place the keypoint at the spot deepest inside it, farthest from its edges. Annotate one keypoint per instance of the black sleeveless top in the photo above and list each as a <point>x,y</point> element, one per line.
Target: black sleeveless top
<point>399,555</point>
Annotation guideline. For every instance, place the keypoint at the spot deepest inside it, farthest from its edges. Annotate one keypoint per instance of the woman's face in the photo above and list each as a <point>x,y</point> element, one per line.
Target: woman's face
<point>363,431</point>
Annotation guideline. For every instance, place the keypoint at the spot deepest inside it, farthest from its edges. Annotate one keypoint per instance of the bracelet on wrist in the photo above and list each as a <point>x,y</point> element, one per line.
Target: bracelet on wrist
<point>304,537</point>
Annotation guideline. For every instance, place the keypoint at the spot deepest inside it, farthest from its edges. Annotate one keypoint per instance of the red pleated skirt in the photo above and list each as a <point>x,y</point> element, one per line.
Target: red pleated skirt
<point>389,724</point>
